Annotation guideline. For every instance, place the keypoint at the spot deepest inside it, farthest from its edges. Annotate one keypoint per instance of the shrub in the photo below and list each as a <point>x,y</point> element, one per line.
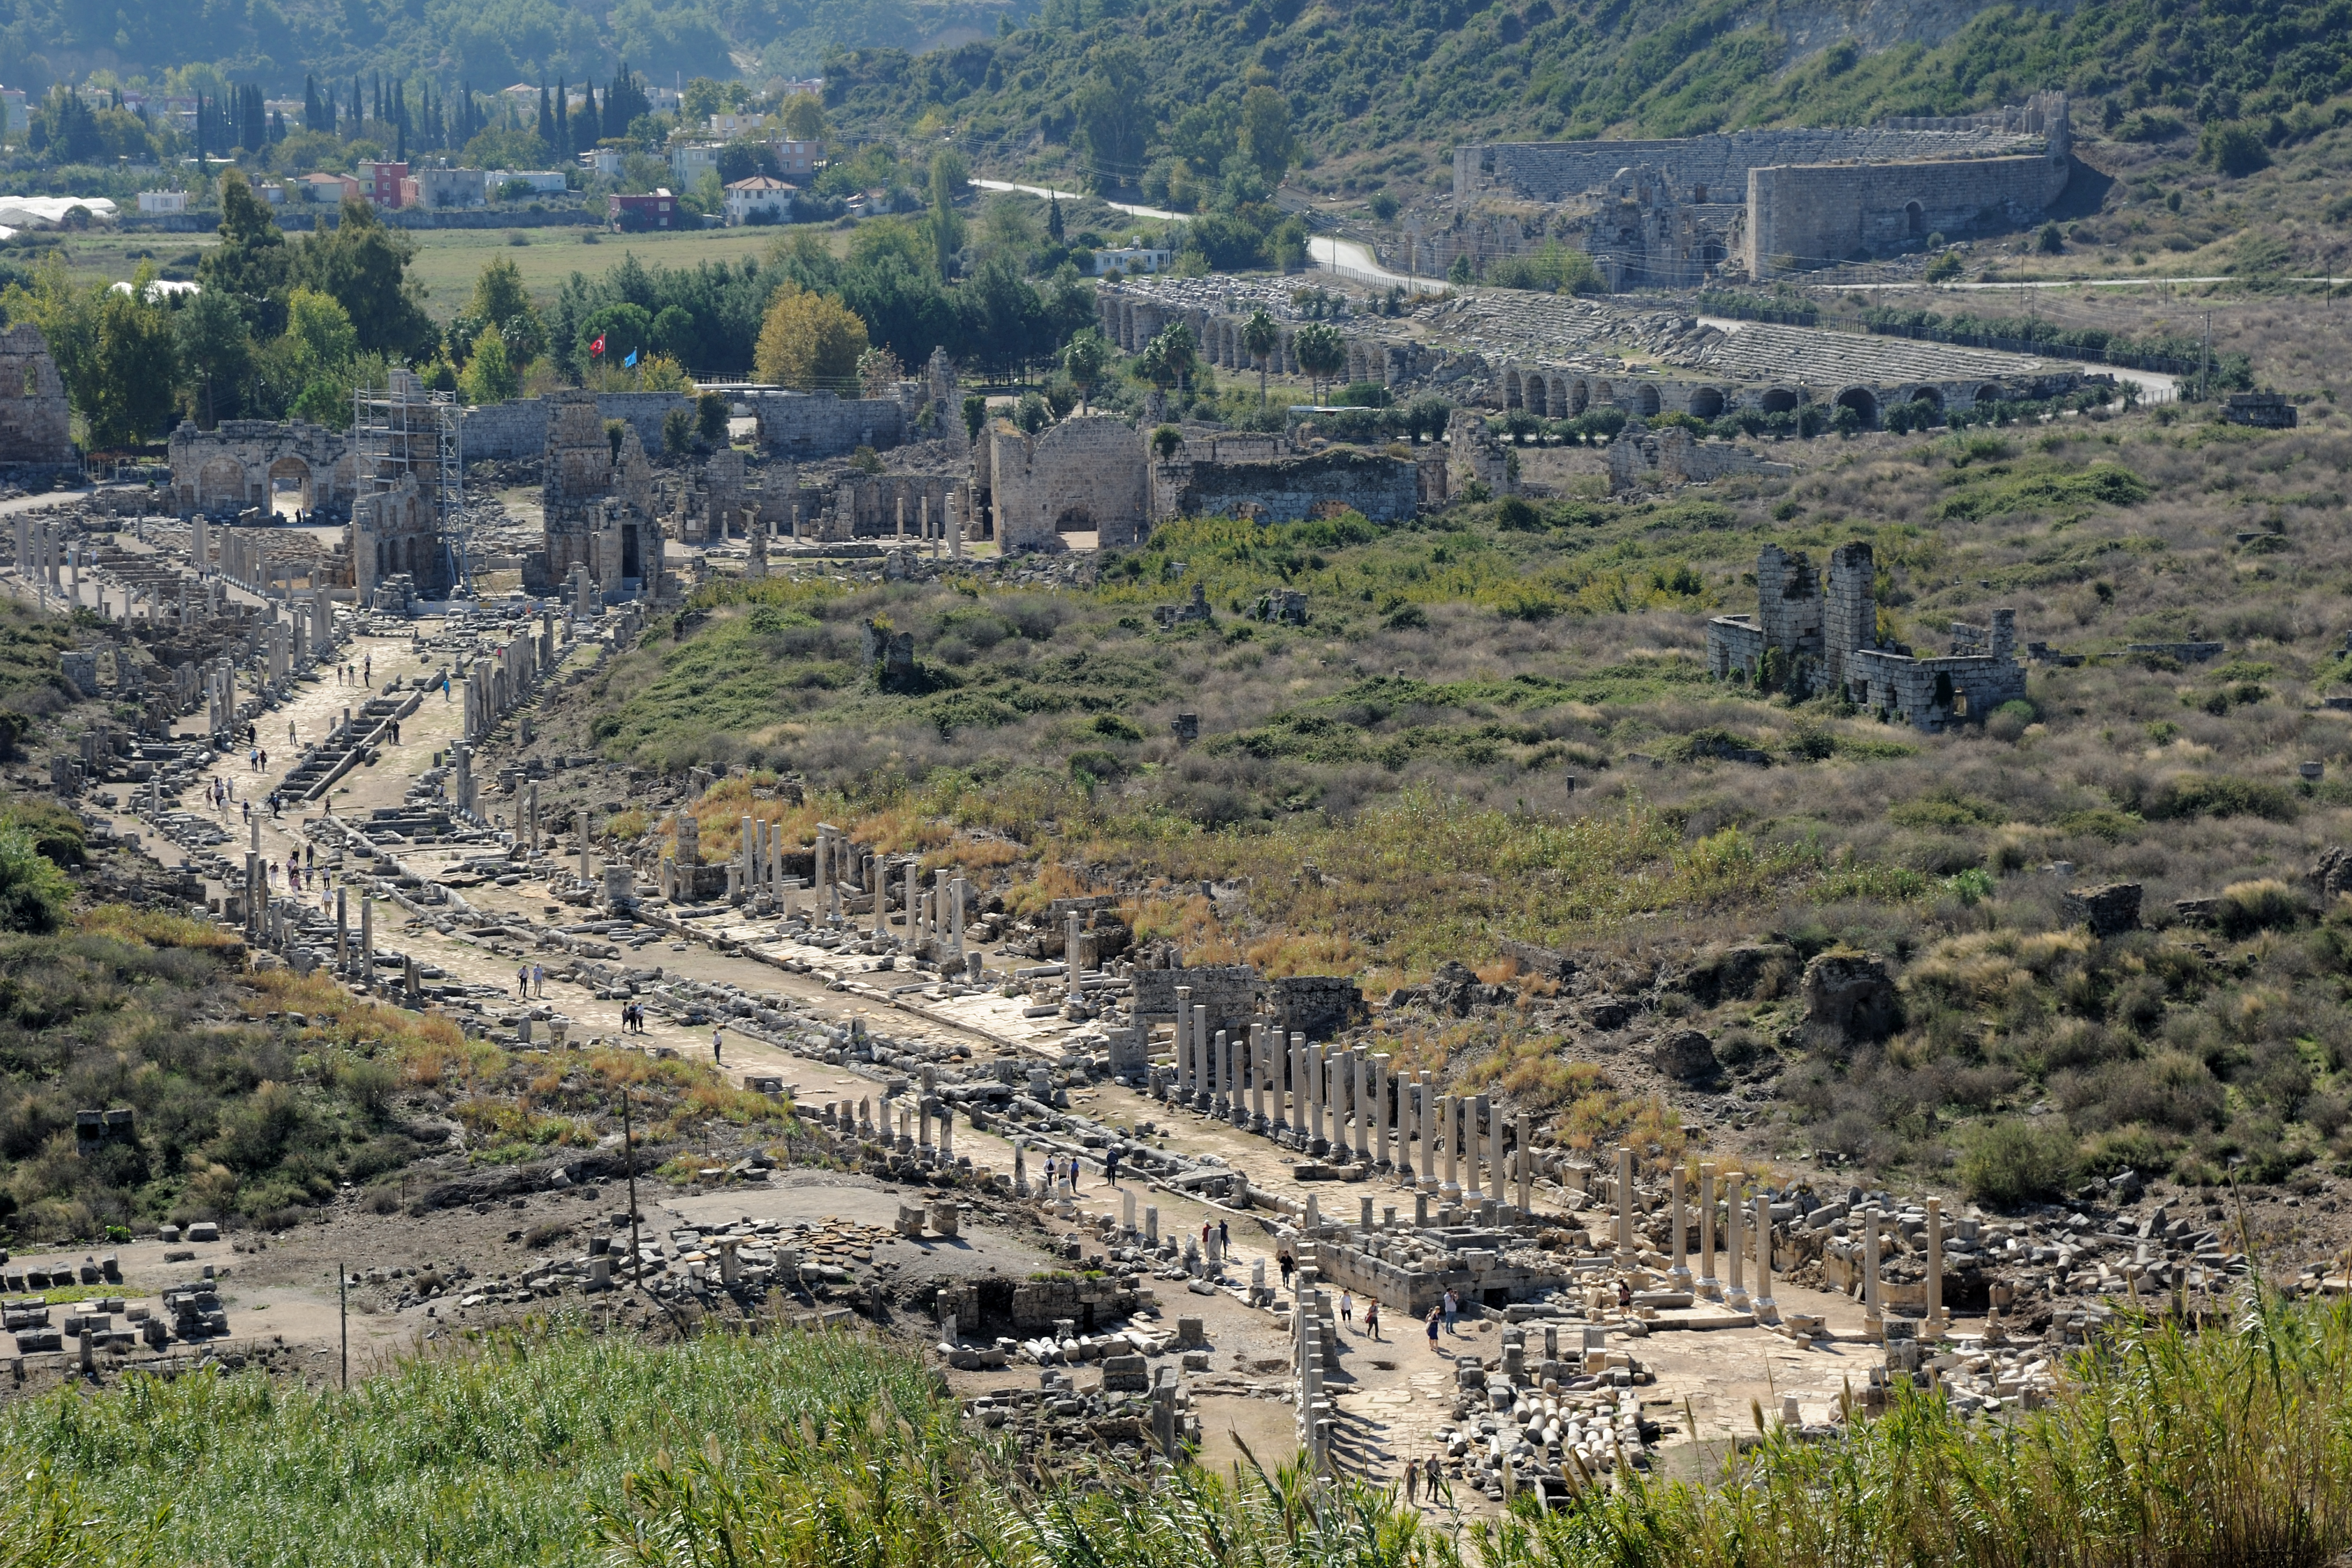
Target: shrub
<point>2245,908</point>
<point>2012,1161</point>
<point>1517,516</point>
<point>2232,147</point>
<point>2219,795</point>
<point>1095,764</point>
<point>34,893</point>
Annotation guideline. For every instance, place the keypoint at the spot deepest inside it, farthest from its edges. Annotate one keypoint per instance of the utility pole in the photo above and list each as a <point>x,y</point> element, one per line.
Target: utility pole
<point>343,1315</point>
<point>2205,370</point>
<point>629,1153</point>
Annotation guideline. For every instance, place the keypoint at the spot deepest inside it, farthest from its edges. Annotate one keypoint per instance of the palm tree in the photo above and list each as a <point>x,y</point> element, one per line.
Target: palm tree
<point>1322,353</point>
<point>1261,336</point>
<point>1084,358</point>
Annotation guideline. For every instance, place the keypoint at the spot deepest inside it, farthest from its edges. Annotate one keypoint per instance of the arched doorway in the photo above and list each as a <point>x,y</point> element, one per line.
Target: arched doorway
<point>290,486</point>
<point>1580,396</point>
<point>1645,401</point>
<point>1930,395</point>
<point>1915,220</point>
<point>1864,402</point>
<point>1538,397</point>
<point>1076,528</point>
<point>1514,396</point>
<point>1707,402</point>
<point>1777,400</point>
<point>1988,392</point>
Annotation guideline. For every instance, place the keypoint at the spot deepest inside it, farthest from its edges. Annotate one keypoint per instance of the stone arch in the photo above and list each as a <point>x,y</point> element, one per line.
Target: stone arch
<point>1778,400</point>
<point>1915,218</point>
<point>1537,392</point>
<point>305,487</point>
<point>1603,392</point>
<point>1705,403</point>
<point>1932,395</point>
<point>1988,392</point>
<point>1580,396</point>
<point>1645,400</point>
<point>1512,397</point>
<point>1863,401</point>
<point>220,481</point>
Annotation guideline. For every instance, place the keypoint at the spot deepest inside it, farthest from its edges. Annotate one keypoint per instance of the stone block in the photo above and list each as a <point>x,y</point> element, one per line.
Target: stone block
<point>1853,995</point>
<point>2109,911</point>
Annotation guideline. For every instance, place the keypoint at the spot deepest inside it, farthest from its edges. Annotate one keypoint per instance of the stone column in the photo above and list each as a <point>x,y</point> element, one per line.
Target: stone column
<point>1070,954</point>
<point>1681,1274</point>
<point>1767,1310</point>
<point>1874,1308</point>
<point>1257,1076</point>
<point>1494,1115</point>
<point>1382,1117</point>
<point>1935,1264</point>
<point>1527,1155</point>
<point>1318,1143</point>
<point>342,934</point>
<point>1425,1117</point>
<point>1218,1103</point>
<point>1184,1045</point>
<point>1707,1284</point>
<point>956,890</point>
<point>744,851</point>
<point>1473,1107</point>
<point>1624,1207</point>
<point>1361,1105</point>
<point>1449,1125</point>
<point>367,942</point>
<point>1735,1291</point>
<point>1301,1134</point>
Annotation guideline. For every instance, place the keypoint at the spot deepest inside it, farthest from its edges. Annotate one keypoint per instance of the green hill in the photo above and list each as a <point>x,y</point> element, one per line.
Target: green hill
<point>490,43</point>
<point>1380,91</point>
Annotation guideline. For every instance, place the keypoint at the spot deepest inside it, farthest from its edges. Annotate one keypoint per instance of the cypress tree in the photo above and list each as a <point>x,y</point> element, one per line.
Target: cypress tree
<point>546,118</point>
<point>562,142</point>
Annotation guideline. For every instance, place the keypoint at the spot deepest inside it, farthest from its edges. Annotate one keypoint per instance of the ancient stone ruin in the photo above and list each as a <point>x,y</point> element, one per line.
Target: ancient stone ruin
<point>596,499</point>
<point>239,464</point>
<point>1795,198</point>
<point>35,422</point>
<point>1807,640</point>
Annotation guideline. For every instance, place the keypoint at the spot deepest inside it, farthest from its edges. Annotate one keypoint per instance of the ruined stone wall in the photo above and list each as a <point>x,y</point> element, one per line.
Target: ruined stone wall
<point>1815,213</point>
<point>518,428</point>
<point>1788,601</point>
<point>35,422</point>
<point>1734,643</point>
<point>1669,457</point>
<point>1914,690</point>
<point>1704,168</point>
<point>869,506</point>
<point>229,467</point>
<point>1084,475</point>
<point>809,426</point>
<point>1288,487</point>
<point>1229,992</point>
<point>1848,611</point>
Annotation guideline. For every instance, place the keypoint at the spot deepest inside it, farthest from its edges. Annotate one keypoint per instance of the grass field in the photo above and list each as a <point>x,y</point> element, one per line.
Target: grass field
<point>812,1452</point>
<point>449,260</point>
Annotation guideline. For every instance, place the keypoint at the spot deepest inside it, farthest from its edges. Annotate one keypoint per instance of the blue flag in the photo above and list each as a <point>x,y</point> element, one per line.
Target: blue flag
<point>631,361</point>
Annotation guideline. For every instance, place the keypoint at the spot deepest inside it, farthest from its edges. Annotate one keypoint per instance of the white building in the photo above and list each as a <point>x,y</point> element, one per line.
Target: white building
<point>759,200</point>
<point>606,161</point>
<point>18,114</point>
<point>1131,260</point>
<point>543,181</point>
<point>689,164</point>
<point>163,201</point>
<point>451,187</point>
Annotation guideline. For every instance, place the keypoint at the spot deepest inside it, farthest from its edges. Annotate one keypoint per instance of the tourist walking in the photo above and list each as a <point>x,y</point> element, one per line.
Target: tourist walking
<point>1452,1311</point>
<point>1347,1307</point>
<point>1284,1261</point>
<point>1373,1318</point>
<point>718,1043</point>
<point>1110,1164</point>
<point>1411,1480</point>
<point>1432,1328</point>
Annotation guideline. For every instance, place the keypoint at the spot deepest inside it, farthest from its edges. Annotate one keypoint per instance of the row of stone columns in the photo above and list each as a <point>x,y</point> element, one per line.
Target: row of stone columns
<point>1325,1101</point>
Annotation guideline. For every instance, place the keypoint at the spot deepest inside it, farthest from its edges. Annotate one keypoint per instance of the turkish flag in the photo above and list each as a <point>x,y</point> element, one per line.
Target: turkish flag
<point>598,346</point>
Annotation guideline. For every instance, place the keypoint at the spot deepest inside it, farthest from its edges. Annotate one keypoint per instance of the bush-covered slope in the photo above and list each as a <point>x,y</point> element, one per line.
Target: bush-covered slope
<point>1388,86</point>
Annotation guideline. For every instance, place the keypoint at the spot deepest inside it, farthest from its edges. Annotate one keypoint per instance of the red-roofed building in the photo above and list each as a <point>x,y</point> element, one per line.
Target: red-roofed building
<point>657,210</point>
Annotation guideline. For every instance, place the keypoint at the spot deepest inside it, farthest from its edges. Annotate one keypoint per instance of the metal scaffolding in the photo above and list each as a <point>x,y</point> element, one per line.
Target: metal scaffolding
<point>406,429</point>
